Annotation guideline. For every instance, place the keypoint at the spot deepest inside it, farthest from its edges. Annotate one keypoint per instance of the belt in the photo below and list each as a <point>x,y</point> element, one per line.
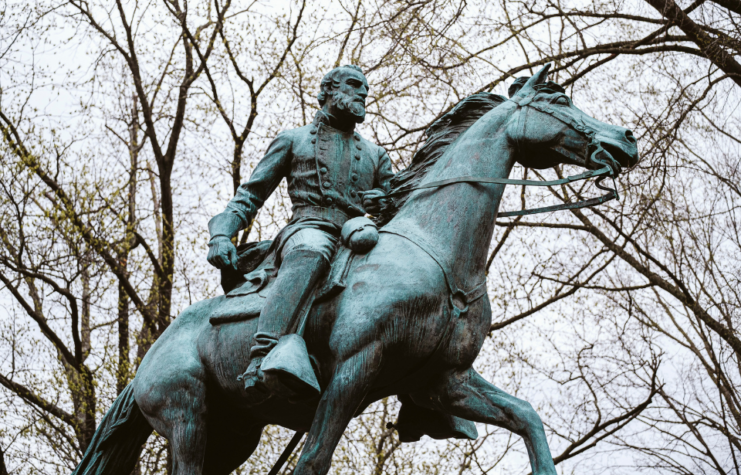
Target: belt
<point>333,215</point>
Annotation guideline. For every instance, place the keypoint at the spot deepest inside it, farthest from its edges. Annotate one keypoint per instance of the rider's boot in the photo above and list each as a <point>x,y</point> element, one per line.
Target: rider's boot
<point>298,274</point>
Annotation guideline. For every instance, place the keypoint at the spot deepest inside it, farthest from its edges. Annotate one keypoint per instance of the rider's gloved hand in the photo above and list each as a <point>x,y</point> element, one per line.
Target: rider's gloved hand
<point>222,253</point>
<point>374,201</point>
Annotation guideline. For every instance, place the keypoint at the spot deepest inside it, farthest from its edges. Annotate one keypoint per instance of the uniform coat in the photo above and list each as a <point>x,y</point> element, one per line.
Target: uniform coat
<point>326,169</point>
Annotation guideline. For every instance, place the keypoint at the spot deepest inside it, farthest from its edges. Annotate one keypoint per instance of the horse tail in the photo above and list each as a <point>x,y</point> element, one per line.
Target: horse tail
<point>118,441</point>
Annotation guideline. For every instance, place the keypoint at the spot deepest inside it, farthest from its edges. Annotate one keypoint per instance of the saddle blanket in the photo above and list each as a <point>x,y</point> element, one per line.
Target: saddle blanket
<point>246,299</point>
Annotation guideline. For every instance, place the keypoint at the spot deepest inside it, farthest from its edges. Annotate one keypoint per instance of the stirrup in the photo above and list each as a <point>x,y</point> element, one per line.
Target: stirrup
<point>255,391</point>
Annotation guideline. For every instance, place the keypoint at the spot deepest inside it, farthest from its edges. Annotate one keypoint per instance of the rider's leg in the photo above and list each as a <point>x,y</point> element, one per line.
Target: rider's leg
<point>305,259</point>
<point>468,395</point>
<point>349,385</point>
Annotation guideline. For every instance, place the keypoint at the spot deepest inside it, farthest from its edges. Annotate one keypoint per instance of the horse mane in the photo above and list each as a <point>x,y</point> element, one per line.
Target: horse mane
<point>440,135</point>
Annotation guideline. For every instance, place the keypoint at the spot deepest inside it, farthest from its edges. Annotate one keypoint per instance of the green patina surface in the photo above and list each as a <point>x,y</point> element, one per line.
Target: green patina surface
<point>406,318</point>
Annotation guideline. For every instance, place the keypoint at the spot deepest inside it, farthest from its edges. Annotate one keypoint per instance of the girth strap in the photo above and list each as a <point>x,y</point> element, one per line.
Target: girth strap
<point>457,295</point>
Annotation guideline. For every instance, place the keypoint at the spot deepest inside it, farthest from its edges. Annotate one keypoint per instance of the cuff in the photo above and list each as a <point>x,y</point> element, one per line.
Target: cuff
<point>224,224</point>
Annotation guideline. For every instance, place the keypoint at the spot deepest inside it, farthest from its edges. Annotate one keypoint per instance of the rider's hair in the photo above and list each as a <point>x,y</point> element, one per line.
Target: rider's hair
<point>331,81</point>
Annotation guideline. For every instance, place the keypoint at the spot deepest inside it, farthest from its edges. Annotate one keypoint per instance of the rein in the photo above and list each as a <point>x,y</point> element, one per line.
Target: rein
<point>600,174</point>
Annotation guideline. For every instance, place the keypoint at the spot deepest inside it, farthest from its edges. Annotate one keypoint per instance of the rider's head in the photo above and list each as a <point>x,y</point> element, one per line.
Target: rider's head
<point>343,92</point>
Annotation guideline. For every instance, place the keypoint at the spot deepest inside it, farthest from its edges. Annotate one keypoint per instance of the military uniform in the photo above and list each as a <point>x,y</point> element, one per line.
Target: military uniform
<point>327,170</point>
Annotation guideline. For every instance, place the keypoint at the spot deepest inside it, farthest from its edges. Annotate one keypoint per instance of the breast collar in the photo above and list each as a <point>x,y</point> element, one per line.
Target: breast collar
<point>460,299</point>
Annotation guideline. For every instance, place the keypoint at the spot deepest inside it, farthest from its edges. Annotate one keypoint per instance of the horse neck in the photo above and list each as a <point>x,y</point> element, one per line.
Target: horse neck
<point>458,220</point>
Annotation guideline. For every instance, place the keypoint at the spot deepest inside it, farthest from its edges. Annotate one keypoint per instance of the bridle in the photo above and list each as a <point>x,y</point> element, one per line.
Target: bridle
<point>594,148</point>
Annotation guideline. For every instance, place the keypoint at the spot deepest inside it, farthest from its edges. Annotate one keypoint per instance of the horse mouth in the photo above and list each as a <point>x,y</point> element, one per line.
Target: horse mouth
<point>624,152</point>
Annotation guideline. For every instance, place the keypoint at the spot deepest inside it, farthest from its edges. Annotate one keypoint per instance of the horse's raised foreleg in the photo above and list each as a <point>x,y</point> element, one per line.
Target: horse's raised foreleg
<point>346,391</point>
<point>468,395</point>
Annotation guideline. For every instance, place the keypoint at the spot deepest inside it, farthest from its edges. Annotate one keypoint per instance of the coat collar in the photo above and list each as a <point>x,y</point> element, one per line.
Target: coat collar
<point>322,117</point>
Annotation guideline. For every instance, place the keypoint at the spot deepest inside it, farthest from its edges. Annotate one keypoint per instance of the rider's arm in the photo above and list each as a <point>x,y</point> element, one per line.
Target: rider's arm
<point>384,174</point>
<point>374,201</point>
<point>252,194</point>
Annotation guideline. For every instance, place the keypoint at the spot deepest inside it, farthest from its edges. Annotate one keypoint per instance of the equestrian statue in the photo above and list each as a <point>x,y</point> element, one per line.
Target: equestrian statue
<point>339,311</point>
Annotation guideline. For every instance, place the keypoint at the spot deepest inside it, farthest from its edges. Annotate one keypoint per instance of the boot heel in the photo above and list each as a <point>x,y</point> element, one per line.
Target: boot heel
<point>288,366</point>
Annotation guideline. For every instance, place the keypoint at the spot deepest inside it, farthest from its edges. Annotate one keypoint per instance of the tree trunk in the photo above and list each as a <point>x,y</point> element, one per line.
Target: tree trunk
<point>707,44</point>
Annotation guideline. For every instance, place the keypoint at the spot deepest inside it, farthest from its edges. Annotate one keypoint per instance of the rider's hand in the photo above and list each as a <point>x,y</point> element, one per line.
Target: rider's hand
<point>222,253</point>
<point>374,201</point>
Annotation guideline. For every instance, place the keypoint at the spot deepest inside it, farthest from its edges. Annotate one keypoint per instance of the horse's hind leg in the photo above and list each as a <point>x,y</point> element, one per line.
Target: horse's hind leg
<point>346,391</point>
<point>174,404</point>
<point>468,395</point>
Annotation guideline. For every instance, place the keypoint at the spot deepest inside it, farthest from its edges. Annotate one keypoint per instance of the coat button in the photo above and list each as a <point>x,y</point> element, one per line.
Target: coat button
<point>353,193</point>
<point>323,170</point>
<point>328,199</point>
<point>313,140</point>
<point>357,137</point>
<point>354,177</point>
<point>327,184</point>
<point>359,147</point>
<point>357,157</point>
<point>312,131</point>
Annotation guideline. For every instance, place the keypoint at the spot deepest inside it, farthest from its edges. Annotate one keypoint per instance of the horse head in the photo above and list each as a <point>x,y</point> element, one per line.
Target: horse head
<point>548,129</point>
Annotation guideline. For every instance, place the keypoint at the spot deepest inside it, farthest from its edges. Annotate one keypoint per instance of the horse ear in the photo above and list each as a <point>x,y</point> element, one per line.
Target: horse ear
<point>516,86</point>
<point>540,78</point>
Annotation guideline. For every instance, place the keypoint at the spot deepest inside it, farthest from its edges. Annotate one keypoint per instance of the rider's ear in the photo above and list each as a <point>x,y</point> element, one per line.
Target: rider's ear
<point>540,78</point>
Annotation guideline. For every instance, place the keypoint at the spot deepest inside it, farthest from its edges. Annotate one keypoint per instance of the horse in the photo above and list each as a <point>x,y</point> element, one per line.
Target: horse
<point>410,322</point>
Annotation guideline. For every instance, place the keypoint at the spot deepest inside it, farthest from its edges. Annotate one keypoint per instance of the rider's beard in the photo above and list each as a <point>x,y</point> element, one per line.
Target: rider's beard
<point>348,105</point>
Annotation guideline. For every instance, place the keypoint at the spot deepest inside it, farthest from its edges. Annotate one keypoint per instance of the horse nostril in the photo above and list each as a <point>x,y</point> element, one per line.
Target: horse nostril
<point>629,136</point>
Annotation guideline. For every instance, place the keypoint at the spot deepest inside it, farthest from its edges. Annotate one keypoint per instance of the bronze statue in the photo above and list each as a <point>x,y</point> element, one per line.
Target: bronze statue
<point>405,315</point>
<point>333,175</point>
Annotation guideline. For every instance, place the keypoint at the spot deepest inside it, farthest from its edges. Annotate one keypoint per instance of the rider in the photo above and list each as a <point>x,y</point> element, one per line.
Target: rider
<point>333,175</point>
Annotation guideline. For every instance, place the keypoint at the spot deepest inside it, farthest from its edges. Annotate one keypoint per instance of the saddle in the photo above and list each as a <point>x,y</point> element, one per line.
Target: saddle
<point>246,289</point>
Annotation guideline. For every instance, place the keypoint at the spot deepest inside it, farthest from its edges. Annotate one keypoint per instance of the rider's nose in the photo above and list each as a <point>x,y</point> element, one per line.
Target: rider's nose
<point>629,136</point>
